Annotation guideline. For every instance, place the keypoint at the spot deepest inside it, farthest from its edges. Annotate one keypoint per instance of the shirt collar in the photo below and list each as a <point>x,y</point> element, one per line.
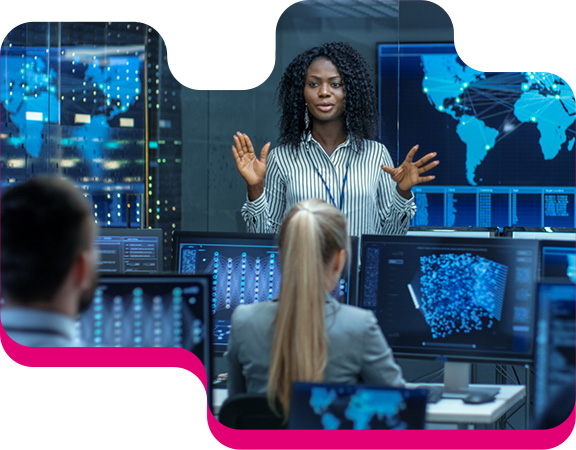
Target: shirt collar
<point>307,138</point>
<point>38,318</point>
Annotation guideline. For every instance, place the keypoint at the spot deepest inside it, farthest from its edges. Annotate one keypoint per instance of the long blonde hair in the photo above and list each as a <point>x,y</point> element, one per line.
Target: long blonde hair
<point>312,233</point>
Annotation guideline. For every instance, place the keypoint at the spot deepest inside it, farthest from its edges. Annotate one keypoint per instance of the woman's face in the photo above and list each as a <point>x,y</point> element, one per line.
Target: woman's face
<point>324,92</point>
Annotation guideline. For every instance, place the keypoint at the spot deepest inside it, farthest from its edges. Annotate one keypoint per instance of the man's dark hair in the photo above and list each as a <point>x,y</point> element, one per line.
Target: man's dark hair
<point>361,113</point>
<point>45,226</point>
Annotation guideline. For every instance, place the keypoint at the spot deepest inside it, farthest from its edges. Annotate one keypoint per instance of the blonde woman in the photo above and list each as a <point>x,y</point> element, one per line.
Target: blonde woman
<point>306,335</point>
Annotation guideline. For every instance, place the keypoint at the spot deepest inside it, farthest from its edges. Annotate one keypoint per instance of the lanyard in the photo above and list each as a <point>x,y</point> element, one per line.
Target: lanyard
<point>328,188</point>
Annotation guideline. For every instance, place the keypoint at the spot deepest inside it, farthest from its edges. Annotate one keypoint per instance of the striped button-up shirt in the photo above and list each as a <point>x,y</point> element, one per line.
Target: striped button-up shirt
<point>368,198</point>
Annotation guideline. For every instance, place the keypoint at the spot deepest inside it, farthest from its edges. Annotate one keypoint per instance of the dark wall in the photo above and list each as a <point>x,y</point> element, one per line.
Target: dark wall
<point>212,190</point>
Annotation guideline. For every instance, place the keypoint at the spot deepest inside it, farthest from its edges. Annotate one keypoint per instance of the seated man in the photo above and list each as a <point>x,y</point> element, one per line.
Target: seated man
<point>48,266</point>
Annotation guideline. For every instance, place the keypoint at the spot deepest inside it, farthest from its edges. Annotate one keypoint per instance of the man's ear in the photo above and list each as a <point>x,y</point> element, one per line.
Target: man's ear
<point>81,269</point>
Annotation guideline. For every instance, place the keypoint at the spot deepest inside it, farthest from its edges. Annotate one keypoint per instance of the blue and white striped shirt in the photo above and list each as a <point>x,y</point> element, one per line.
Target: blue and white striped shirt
<point>371,203</point>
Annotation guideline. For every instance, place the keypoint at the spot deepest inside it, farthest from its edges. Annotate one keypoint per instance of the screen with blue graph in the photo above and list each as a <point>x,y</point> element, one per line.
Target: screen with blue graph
<point>452,298</point>
<point>149,311</point>
<point>245,269</point>
<point>505,140</point>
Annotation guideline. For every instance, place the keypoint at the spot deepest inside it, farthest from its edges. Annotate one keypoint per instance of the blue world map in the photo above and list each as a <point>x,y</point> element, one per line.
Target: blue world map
<point>463,93</point>
<point>92,91</point>
<point>361,408</point>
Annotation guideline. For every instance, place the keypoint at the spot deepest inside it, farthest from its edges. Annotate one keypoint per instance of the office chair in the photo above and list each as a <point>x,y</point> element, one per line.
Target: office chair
<point>250,412</point>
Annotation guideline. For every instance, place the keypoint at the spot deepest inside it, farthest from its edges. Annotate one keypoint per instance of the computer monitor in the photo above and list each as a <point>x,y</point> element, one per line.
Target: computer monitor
<point>456,300</point>
<point>129,251</point>
<point>556,347</point>
<point>502,163</point>
<point>471,232</point>
<point>558,260</point>
<point>245,269</point>
<point>148,311</point>
<point>151,311</point>
<point>330,406</point>
<point>547,233</point>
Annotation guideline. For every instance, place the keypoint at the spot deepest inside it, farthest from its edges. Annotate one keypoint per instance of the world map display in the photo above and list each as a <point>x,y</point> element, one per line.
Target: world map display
<point>326,406</point>
<point>359,408</point>
<point>505,141</point>
<point>90,93</point>
<point>464,93</point>
<point>77,111</point>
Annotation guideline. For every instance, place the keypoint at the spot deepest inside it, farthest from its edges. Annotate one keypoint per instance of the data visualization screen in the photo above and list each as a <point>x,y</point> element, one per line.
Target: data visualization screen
<point>505,140</point>
<point>245,269</point>
<point>77,110</point>
<point>460,299</point>
<point>129,250</point>
<point>149,311</point>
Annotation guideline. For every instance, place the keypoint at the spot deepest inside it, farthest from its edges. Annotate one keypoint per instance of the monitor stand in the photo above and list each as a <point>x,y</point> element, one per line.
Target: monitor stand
<point>457,379</point>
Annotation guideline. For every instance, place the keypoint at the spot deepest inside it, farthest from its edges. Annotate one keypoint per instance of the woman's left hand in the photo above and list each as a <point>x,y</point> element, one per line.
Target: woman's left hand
<point>409,173</point>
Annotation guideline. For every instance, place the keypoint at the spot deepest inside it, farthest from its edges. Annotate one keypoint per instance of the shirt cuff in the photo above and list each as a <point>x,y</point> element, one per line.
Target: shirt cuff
<point>401,202</point>
<point>255,207</point>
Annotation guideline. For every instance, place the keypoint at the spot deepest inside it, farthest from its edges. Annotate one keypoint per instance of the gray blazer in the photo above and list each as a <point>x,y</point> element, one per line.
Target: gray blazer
<point>357,349</point>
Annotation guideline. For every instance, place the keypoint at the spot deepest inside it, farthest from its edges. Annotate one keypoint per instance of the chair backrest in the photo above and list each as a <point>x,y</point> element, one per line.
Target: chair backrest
<point>250,412</point>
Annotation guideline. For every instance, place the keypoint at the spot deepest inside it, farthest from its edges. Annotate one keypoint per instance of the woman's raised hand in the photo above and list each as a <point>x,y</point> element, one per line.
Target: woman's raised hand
<point>410,172</point>
<point>252,169</point>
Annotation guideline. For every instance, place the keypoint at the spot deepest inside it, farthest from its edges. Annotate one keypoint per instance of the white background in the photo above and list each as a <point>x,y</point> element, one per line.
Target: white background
<point>232,43</point>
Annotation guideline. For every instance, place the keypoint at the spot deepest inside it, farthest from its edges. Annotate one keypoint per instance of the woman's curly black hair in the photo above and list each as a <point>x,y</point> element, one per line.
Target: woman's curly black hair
<point>360,115</point>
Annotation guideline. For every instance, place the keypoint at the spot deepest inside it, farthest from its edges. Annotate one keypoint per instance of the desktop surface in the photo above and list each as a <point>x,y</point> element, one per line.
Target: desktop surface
<point>449,411</point>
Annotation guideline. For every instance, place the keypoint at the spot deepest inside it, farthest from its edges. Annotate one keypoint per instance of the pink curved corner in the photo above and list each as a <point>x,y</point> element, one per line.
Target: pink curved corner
<point>286,439</point>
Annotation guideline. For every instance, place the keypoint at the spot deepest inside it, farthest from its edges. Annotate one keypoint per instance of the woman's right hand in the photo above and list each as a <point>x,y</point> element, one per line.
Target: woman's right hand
<point>252,169</point>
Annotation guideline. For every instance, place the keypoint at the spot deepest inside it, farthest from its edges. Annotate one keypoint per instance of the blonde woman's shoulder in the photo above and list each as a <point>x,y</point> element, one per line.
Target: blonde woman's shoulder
<point>350,312</point>
<point>254,311</point>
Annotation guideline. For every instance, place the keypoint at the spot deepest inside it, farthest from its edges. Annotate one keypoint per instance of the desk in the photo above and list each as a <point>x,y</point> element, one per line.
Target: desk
<point>449,411</point>
<point>455,411</point>
<point>218,397</point>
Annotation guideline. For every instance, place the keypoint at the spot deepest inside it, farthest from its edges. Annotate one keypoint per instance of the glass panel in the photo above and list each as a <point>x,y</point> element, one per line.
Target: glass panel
<point>72,104</point>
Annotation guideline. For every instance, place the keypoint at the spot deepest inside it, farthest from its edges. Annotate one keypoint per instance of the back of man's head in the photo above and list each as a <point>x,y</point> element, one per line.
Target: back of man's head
<point>45,226</point>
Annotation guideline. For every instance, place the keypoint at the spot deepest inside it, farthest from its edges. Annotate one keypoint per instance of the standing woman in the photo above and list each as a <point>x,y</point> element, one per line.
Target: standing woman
<point>305,334</point>
<point>328,123</point>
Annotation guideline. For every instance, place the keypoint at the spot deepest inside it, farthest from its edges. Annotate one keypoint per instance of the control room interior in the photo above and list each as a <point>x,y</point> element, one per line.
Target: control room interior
<point>161,181</point>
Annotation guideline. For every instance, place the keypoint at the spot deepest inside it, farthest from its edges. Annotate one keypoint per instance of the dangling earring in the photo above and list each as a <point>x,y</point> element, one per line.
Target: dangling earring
<point>306,118</point>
